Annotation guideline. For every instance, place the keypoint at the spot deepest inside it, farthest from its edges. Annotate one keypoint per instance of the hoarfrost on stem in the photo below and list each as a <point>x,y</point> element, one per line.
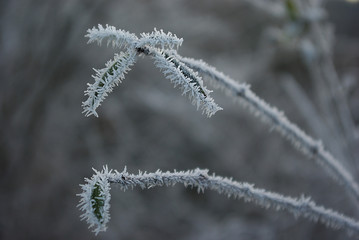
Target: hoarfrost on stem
<point>97,214</point>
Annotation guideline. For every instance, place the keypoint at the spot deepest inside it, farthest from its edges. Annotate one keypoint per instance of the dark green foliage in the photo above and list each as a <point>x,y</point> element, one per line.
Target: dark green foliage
<point>98,202</point>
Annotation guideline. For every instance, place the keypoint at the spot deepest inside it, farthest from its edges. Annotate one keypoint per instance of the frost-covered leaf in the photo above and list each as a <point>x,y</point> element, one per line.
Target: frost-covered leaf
<point>95,200</point>
<point>188,80</point>
<point>106,79</point>
<point>116,37</point>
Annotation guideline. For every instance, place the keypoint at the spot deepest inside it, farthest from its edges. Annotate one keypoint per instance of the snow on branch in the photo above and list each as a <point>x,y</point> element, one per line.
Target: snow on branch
<point>95,197</point>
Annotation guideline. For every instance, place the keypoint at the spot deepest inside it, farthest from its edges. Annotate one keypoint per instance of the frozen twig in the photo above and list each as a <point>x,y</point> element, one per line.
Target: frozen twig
<point>269,114</point>
<point>96,195</point>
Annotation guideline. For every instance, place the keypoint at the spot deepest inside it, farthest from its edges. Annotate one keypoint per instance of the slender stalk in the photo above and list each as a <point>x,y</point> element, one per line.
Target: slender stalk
<point>201,180</point>
<point>279,121</point>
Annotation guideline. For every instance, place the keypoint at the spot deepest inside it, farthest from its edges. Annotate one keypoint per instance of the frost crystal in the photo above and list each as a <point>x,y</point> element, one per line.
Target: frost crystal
<point>118,38</point>
<point>155,38</point>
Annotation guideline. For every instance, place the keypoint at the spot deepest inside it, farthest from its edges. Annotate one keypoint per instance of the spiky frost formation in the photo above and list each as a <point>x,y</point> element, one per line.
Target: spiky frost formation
<point>188,80</point>
<point>106,79</point>
<point>95,200</point>
<point>157,44</point>
<point>159,38</point>
<point>200,179</point>
<point>116,37</point>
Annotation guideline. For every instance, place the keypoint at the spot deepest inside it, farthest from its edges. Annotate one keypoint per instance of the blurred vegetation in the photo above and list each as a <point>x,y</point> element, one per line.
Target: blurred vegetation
<point>47,146</point>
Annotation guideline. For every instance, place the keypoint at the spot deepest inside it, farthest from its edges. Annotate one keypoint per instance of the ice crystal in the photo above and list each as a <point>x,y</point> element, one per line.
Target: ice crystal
<point>160,38</point>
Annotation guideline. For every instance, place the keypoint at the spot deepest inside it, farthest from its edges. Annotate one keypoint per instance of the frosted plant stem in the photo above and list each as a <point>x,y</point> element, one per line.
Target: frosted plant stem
<point>200,179</point>
<point>156,44</point>
<point>302,141</point>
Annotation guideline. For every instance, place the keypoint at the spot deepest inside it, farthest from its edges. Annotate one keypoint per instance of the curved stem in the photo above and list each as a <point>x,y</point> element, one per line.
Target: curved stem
<point>201,180</point>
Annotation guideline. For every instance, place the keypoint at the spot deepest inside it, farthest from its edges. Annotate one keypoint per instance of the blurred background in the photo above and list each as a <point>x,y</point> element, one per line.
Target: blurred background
<point>301,56</point>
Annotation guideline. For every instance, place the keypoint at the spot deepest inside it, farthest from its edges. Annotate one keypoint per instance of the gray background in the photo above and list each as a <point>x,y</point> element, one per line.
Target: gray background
<point>47,146</point>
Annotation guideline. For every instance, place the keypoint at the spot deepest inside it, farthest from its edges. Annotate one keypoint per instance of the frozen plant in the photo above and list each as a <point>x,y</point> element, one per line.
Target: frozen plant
<point>159,46</point>
<point>95,198</point>
<point>184,72</point>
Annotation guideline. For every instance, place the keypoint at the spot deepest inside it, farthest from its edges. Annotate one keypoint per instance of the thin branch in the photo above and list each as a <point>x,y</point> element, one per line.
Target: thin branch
<point>201,180</point>
<point>269,114</point>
